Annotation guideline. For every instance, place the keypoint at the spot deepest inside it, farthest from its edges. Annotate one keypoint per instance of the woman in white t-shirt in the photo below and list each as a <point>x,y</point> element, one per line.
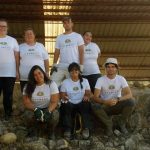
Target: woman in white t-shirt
<point>90,67</point>
<point>75,95</point>
<point>41,96</point>
<point>9,67</point>
<point>31,53</point>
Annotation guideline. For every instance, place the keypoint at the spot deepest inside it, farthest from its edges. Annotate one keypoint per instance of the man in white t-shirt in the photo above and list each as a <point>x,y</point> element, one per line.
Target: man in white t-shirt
<point>9,70</point>
<point>112,96</point>
<point>69,48</point>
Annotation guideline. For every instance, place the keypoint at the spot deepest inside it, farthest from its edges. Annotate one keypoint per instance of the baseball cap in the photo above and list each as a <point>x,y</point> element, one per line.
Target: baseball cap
<point>111,61</point>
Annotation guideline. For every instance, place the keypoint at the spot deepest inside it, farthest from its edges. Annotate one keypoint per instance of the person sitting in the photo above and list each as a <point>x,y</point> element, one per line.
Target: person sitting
<point>40,97</point>
<point>112,96</point>
<point>75,94</point>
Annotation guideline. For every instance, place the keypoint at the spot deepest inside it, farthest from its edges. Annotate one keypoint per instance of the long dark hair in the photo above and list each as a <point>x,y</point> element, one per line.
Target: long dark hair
<point>75,65</point>
<point>31,84</point>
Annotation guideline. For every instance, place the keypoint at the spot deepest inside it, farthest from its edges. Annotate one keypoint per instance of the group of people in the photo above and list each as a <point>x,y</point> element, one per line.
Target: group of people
<point>75,82</point>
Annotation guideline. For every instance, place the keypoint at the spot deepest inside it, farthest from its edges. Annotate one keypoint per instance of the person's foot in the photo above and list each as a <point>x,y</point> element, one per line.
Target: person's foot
<point>51,136</point>
<point>67,134</point>
<point>7,117</point>
<point>86,133</point>
<point>124,129</point>
<point>109,132</point>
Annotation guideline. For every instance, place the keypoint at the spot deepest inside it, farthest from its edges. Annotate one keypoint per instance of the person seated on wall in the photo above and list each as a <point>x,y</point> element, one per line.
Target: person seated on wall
<point>75,96</point>
<point>40,97</point>
<point>112,96</point>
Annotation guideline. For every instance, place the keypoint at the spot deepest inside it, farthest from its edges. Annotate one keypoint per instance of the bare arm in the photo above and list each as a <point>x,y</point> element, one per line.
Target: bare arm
<point>28,104</point>
<point>87,95</point>
<point>98,99</point>
<point>17,59</point>
<point>126,94</point>
<point>81,54</point>
<point>53,102</point>
<point>46,64</point>
<point>64,96</point>
<point>56,55</point>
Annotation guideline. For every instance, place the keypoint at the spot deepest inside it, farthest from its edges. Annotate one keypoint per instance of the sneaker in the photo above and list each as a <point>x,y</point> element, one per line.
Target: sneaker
<point>124,129</point>
<point>67,134</point>
<point>86,133</point>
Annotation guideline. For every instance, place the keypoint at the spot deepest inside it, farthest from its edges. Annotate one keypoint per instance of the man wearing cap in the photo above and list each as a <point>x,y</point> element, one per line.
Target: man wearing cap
<point>113,97</point>
<point>69,48</point>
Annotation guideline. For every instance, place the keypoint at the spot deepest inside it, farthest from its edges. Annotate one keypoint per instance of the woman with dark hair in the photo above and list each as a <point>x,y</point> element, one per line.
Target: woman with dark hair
<point>91,54</point>
<point>41,96</point>
<point>75,95</point>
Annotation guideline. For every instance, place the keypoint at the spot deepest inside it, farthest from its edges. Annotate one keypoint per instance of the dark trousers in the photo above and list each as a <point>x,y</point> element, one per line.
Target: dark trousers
<point>68,110</point>
<point>92,80</point>
<point>7,86</point>
<point>103,112</point>
<point>22,84</point>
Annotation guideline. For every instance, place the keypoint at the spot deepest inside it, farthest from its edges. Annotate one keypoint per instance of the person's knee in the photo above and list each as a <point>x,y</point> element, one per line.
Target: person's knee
<point>130,103</point>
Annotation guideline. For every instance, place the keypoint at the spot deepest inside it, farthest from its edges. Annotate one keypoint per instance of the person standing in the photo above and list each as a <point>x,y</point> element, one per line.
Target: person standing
<point>9,70</point>
<point>31,53</point>
<point>112,96</point>
<point>91,54</point>
<point>69,48</point>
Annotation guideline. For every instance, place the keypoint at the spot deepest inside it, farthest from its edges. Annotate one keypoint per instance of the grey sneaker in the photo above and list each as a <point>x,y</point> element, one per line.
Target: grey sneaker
<point>86,133</point>
<point>124,129</point>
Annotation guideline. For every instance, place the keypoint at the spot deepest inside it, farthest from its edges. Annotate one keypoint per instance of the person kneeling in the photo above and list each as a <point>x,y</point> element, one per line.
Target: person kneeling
<point>40,98</point>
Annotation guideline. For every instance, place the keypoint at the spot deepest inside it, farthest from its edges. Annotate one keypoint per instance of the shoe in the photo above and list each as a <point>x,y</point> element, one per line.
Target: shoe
<point>86,133</point>
<point>7,117</point>
<point>124,129</point>
<point>67,134</point>
<point>109,132</point>
<point>51,136</point>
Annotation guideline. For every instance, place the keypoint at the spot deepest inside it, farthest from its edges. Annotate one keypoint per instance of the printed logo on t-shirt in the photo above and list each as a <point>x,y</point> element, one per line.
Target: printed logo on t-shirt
<point>111,87</point>
<point>3,43</point>
<point>67,41</point>
<point>76,88</point>
<point>88,51</point>
<point>30,50</point>
<point>40,94</point>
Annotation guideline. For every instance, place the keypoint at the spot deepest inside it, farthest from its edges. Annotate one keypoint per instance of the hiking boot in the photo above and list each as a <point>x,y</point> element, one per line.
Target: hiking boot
<point>86,133</point>
<point>67,134</point>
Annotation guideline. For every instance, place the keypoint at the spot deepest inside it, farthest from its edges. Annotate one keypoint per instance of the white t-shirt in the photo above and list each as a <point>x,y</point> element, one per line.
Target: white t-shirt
<point>73,89</point>
<point>111,88</point>
<point>42,94</point>
<point>68,46</point>
<point>91,52</point>
<point>8,45</point>
<point>30,56</point>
